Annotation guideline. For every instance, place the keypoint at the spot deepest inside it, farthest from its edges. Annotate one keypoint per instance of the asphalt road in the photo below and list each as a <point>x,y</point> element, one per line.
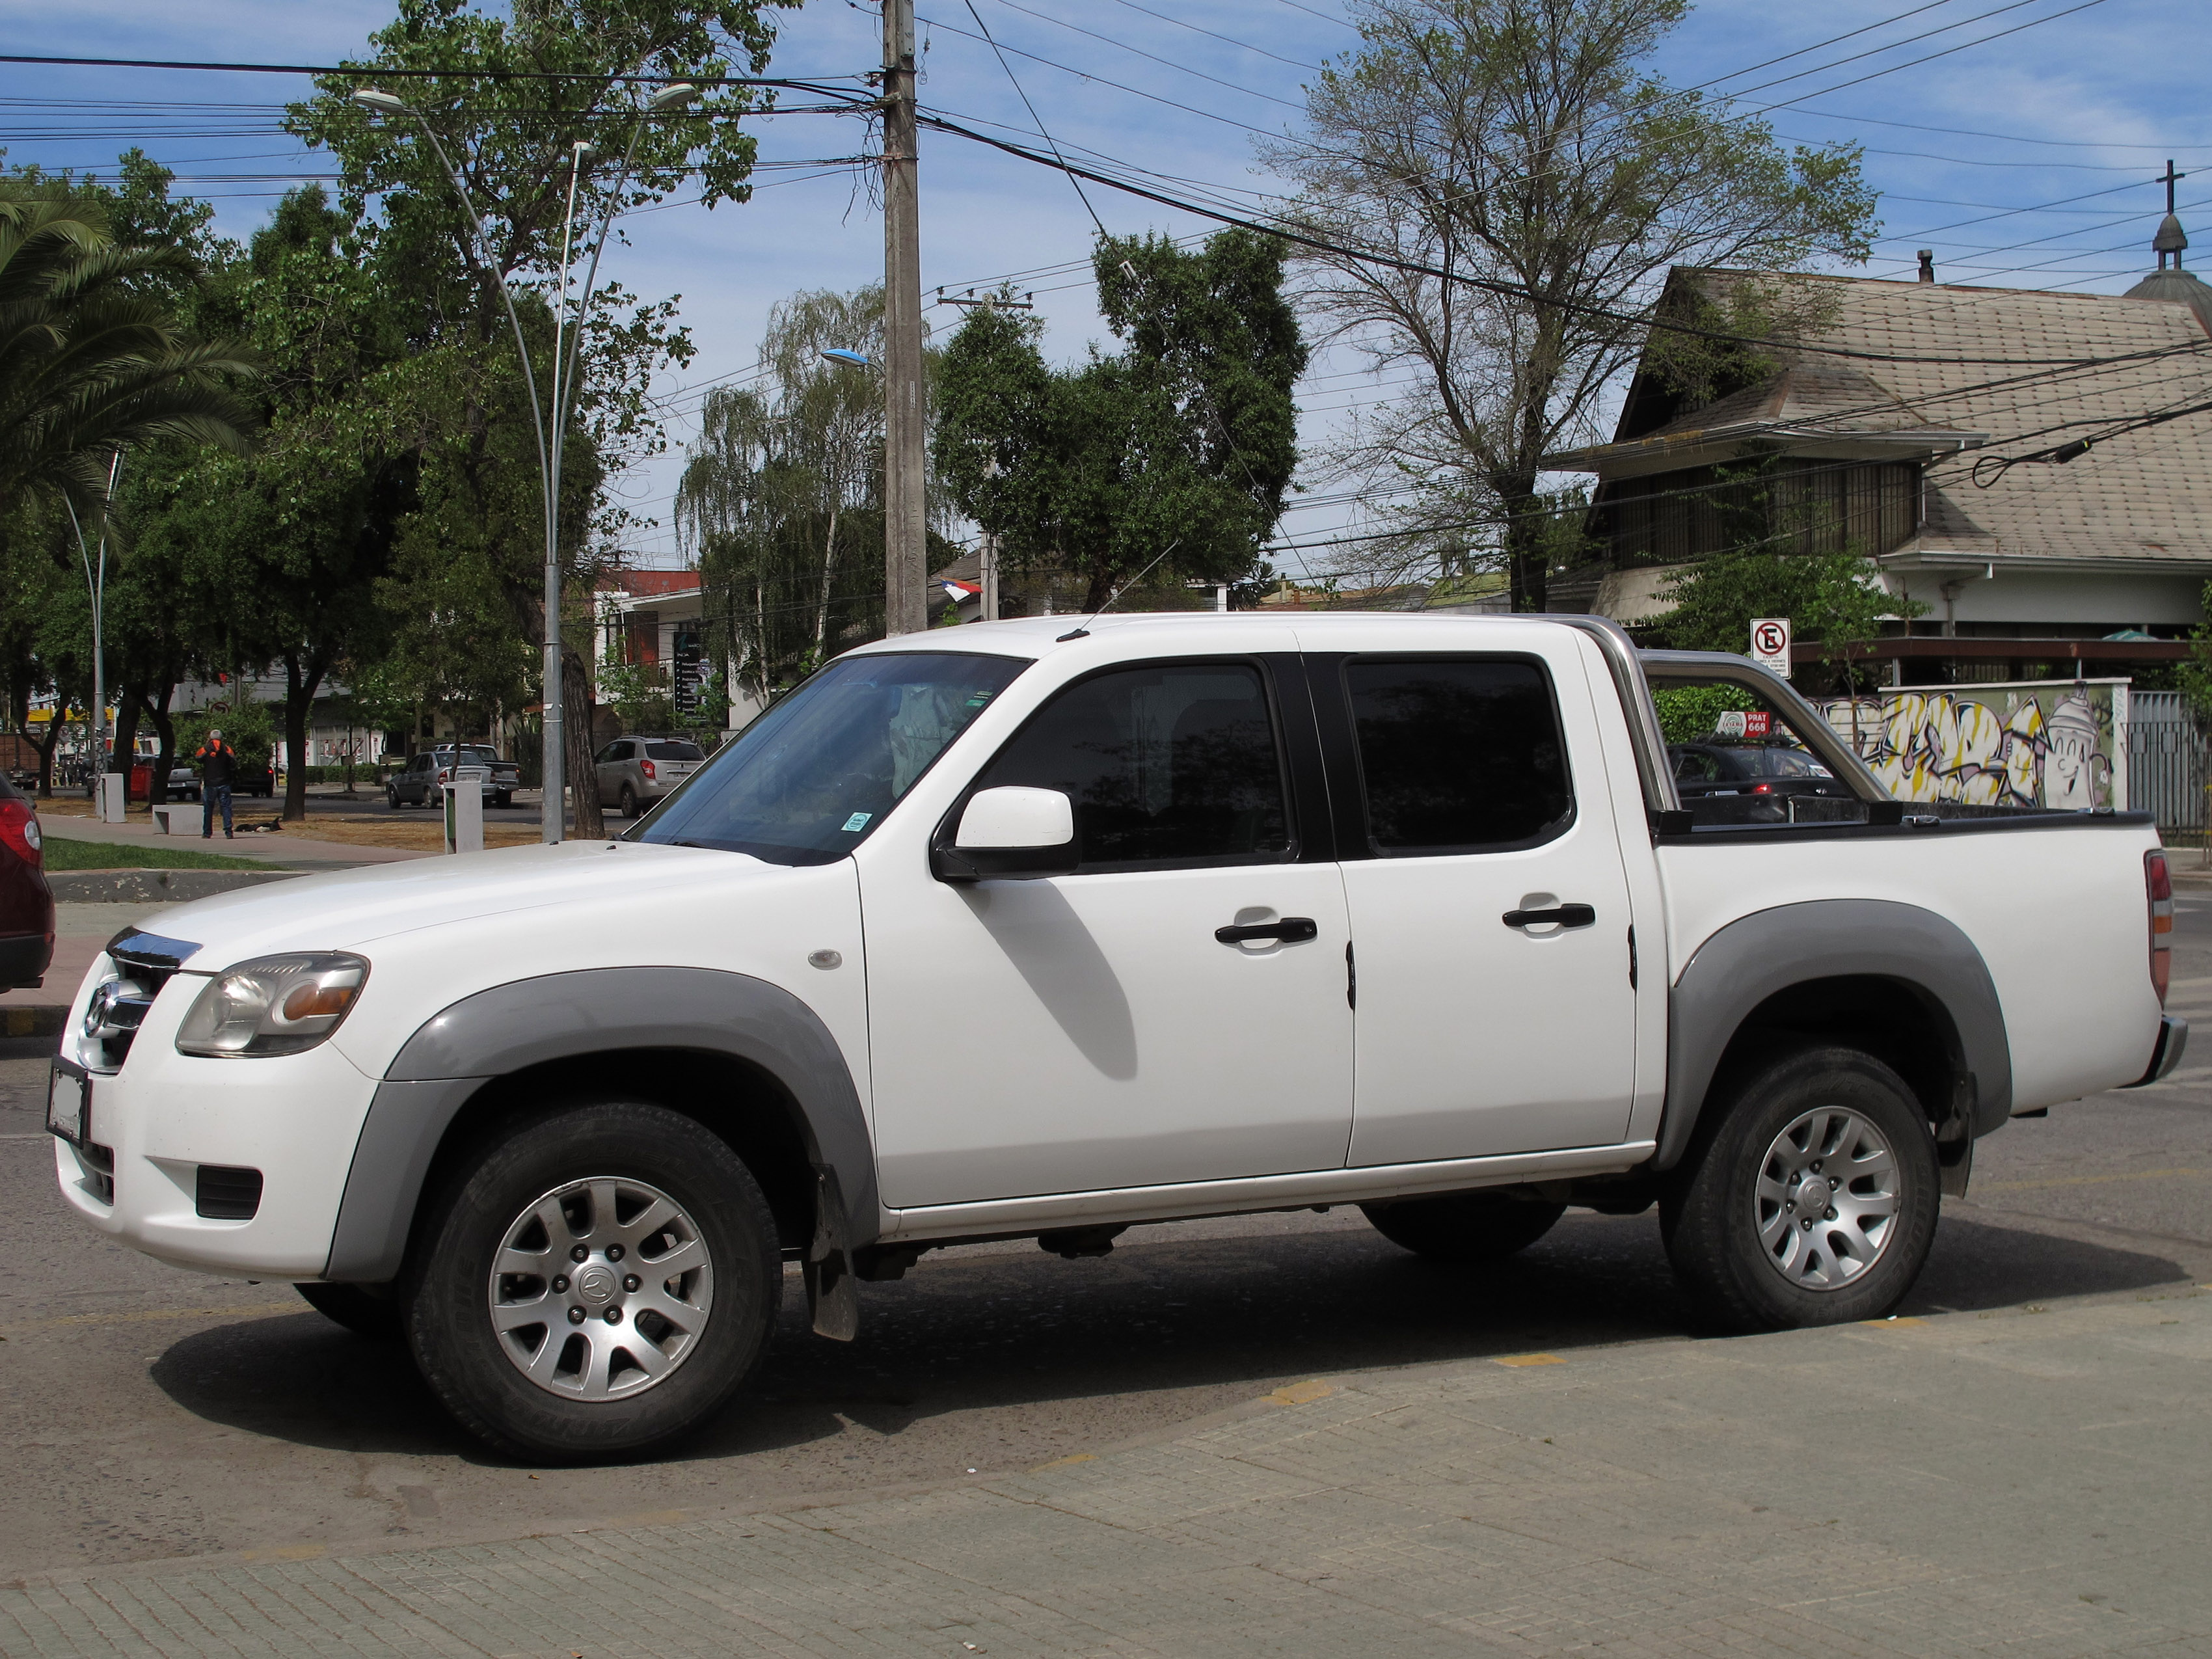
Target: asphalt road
<point>148,1413</point>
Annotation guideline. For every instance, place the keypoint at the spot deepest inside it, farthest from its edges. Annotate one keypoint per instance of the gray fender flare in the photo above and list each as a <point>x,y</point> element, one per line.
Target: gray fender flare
<point>1747,961</point>
<point>571,1015</point>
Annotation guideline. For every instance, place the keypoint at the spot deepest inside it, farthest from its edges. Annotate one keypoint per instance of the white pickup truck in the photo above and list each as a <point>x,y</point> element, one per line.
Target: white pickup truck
<point>1033,931</point>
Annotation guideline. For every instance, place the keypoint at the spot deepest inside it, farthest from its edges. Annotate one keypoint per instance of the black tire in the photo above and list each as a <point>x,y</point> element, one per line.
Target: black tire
<point>390,798</point>
<point>628,805</point>
<point>503,801</point>
<point>1464,1227</point>
<point>448,1314</point>
<point>1716,1219</point>
<point>363,1311</point>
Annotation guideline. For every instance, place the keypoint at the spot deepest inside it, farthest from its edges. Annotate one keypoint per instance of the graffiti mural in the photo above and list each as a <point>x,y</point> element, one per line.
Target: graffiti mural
<point>2032,743</point>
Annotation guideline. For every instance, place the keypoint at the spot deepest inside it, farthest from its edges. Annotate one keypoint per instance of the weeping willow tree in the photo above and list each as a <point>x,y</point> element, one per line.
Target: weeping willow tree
<point>781,497</point>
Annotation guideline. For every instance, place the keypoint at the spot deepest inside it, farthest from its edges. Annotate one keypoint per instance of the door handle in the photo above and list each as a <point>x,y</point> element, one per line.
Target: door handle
<point>1291,930</point>
<point>1567,916</point>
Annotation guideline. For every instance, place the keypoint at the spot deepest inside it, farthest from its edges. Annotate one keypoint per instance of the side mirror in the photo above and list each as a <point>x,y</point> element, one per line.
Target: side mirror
<point>1008,834</point>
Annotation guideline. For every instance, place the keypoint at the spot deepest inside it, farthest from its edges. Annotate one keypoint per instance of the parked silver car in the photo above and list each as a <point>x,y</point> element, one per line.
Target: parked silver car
<point>417,786</point>
<point>184,783</point>
<point>635,772</point>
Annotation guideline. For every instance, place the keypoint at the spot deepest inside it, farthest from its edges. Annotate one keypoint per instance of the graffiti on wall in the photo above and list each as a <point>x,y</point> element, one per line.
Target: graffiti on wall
<point>2036,743</point>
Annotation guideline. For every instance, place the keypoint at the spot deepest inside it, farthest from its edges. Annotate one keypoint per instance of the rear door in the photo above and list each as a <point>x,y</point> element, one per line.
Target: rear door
<point>1488,902</point>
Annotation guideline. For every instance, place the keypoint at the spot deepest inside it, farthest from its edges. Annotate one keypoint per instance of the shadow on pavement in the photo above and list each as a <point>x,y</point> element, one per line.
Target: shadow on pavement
<point>975,1332</point>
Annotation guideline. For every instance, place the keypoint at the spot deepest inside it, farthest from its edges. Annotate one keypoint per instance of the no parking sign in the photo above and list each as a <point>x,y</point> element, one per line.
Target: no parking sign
<point>1770,644</point>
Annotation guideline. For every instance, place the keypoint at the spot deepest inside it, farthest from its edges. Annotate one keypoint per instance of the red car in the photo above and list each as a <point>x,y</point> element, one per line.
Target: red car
<point>26,908</point>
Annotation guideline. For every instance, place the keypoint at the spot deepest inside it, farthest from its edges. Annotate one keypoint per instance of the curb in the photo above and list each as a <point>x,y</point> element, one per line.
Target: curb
<point>43,1019</point>
<point>153,886</point>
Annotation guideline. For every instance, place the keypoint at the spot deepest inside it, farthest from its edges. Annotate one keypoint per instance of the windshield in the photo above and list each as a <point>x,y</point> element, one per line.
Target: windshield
<point>807,781</point>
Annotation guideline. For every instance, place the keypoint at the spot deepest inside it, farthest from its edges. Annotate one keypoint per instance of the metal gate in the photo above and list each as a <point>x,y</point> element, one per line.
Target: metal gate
<point>2165,761</point>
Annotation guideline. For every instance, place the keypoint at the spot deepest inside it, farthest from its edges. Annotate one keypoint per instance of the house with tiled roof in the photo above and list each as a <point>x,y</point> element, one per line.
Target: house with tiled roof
<point>2034,467</point>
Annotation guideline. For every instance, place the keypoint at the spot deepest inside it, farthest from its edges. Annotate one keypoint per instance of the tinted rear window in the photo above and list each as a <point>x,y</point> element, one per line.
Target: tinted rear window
<point>674,752</point>
<point>1459,756</point>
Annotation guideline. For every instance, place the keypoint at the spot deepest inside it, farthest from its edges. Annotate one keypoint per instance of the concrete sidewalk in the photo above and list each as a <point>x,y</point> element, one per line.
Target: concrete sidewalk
<point>2028,1481</point>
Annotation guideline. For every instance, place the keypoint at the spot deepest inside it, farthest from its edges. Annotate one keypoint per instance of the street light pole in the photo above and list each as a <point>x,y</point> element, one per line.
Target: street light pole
<point>95,581</point>
<point>552,815</point>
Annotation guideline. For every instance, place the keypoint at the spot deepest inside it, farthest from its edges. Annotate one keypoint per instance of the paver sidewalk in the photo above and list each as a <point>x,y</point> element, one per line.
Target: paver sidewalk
<point>2025,1482</point>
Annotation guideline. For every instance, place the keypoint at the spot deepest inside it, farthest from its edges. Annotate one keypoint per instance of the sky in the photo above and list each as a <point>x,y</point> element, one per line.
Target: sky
<point>2021,140</point>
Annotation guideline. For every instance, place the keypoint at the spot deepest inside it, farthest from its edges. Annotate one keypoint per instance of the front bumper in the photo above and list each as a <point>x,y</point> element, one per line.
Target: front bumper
<point>156,1122</point>
<point>2166,1054</point>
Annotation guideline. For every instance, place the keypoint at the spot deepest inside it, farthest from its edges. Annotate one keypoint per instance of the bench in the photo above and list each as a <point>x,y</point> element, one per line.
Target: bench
<point>165,819</point>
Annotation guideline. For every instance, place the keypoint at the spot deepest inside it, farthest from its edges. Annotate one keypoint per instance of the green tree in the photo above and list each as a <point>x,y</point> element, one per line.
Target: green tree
<point>508,92</point>
<point>1181,444</point>
<point>1519,144</point>
<point>89,360</point>
<point>781,497</point>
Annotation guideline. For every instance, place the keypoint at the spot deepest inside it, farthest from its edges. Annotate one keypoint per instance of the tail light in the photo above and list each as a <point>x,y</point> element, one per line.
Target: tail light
<point>2158,888</point>
<point>1762,789</point>
<point>19,831</point>
<point>647,767</point>
<point>444,777</point>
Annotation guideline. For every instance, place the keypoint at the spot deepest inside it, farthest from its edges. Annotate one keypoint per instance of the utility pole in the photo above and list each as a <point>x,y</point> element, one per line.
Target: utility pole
<point>905,539</point>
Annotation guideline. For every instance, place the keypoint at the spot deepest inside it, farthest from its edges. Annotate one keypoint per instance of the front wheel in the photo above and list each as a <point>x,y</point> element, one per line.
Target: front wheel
<point>1464,1227</point>
<point>602,1281</point>
<point>1812,1200</point>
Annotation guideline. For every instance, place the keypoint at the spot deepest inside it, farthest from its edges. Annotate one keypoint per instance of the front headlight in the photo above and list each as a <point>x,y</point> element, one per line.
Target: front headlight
<point>272,1006</point>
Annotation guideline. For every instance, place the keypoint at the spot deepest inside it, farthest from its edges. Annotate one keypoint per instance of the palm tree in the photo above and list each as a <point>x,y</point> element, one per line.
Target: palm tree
<point>88,363</point>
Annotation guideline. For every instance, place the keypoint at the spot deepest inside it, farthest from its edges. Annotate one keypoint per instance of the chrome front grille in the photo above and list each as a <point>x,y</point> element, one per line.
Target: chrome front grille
<point>145,963</point>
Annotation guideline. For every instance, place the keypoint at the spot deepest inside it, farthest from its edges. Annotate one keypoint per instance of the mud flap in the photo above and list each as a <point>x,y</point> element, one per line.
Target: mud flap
<point>832,1300</point>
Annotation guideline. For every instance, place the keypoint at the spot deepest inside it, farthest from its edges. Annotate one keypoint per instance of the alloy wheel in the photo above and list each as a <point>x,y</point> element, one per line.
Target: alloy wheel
<point>600,1289</point>
<point>1825,1202</point>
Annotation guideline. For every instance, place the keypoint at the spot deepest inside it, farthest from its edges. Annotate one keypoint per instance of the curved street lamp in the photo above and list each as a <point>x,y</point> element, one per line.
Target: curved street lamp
<point>553,814</point>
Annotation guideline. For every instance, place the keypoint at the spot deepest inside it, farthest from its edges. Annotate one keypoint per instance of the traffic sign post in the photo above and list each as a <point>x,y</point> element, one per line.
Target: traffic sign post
<point>1770,644</point>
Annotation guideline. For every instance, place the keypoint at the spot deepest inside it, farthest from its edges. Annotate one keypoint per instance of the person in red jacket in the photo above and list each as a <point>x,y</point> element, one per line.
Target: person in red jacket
<point>218,764</point>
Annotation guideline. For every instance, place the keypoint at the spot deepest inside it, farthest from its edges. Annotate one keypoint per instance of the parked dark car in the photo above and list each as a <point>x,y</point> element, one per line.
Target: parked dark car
<point>27,908</point>
<point>417,786</point>
<point>1774,768</point>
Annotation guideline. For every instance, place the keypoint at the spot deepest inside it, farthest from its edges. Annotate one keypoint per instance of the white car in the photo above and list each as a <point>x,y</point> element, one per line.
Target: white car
<point>1258,913</point>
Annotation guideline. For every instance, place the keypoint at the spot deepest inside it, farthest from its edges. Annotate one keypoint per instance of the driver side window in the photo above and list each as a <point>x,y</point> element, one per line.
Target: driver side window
<point>1169,766</point>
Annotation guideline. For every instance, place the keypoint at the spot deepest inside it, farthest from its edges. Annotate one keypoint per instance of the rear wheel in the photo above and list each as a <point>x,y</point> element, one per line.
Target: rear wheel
<point>365,1312</point>
<point>628,805</point>
<point>1814,1199</point>
<point>602,1281</point>
<point>1465,1226</point>
<point>391,798</point>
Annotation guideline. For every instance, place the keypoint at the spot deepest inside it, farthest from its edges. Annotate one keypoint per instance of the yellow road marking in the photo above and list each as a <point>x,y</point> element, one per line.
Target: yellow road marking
<point>1894,1318</point>
<point>1528,1360</point>
<point>1062,1463</point>
<point>1301,1394</point>
<point>2085,1181</point>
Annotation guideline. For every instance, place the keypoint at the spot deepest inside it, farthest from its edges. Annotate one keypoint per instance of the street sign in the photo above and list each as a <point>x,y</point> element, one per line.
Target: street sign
<point>1770,644</point>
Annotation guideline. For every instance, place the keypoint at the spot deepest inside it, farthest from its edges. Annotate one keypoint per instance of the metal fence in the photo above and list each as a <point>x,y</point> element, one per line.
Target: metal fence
<point>2165,761</point>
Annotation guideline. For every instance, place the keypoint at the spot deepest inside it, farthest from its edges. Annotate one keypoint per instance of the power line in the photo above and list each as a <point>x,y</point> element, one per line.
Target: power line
<point>1414,267</point>
<point>1183,68</point>
<point>1232,40</point>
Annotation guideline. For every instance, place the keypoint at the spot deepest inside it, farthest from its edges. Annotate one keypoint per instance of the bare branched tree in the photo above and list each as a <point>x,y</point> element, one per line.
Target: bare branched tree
<point>1517,144</point>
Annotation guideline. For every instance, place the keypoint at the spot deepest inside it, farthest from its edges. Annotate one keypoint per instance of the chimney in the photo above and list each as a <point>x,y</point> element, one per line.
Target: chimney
<point>1927,264</point>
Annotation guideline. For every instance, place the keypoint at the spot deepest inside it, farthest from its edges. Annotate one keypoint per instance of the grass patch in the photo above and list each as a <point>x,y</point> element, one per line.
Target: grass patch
<point>61,854</point>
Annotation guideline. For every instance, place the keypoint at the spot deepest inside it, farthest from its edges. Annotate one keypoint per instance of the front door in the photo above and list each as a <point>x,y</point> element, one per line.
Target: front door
<point>1090,1031</point>
<point>1496,1007</point>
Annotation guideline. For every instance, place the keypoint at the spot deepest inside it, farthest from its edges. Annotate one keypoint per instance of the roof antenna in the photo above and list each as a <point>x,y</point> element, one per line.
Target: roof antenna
<point>1082,629</point>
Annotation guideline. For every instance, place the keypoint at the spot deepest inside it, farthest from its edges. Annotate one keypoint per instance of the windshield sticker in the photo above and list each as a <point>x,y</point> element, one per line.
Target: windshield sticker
<point>979,699</point>
<point>858,822</point>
